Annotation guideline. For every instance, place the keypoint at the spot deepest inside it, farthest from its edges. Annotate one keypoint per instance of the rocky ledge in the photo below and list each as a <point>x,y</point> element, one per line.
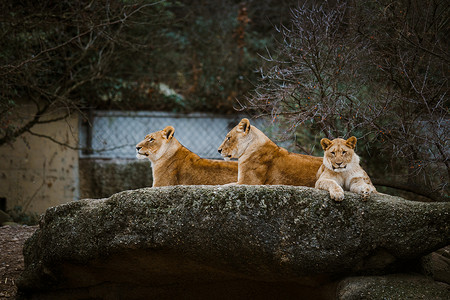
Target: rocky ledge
<point>234,242</point>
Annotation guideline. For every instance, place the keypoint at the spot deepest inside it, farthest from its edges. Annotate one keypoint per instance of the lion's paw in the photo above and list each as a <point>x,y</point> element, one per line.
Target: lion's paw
<point>365,195</point>
<point>365,192</point>
<point>337,194</point>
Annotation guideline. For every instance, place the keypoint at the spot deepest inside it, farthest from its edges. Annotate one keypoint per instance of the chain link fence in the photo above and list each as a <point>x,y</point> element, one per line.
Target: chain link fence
<point>114,134</point>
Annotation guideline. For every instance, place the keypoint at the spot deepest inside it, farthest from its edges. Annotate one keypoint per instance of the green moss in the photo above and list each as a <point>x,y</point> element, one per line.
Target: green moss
<point>260,232</point>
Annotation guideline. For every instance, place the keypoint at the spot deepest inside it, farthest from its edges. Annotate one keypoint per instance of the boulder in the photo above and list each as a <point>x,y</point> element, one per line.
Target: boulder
<point>225,242</point>
<point>396,286</point>
<point>437,265</point>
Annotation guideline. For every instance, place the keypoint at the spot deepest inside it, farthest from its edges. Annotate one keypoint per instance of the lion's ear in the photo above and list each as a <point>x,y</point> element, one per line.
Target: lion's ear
<point>351,142</point>
<point>168,132</point>
<point>244,126</point>
<point>325,143</point>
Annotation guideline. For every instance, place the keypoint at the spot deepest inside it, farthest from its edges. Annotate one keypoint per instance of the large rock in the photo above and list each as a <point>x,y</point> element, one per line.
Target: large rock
<point>225,242</point>
<point>437,265</point>
<point>397,286</point>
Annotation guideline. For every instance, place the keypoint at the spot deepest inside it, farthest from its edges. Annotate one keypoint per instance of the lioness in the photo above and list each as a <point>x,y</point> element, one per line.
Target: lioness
<point>261,161</point>
<point>341,170</point>
<point>174,164</point>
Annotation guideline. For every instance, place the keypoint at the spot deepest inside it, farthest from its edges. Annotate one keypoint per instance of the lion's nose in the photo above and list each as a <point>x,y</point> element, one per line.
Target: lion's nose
<point>138,148</point>
<point>219,150</point>
<point>339,164</point>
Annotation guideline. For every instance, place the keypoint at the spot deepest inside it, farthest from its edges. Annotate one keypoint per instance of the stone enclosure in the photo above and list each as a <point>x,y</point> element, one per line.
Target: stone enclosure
<point>236,242</point>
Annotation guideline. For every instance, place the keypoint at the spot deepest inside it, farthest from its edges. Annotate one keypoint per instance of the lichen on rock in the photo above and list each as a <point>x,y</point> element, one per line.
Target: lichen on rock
<point>187,235</point>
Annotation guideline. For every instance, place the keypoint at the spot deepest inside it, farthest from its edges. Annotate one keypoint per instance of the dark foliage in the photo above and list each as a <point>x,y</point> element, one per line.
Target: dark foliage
<point>68,56</point>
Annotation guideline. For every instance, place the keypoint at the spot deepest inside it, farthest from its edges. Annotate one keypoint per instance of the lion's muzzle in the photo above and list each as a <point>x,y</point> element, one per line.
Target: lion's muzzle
<point>139,153</point>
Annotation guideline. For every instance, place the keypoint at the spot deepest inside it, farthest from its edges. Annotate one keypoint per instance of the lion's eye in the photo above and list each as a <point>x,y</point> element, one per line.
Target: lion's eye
<point>151,140</point>
<point>228,138</point>
<point>343,152</point>
<point>333,153</point>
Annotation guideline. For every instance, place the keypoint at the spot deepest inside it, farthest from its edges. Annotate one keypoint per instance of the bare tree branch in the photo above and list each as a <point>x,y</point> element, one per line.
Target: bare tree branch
<point>374,71</point>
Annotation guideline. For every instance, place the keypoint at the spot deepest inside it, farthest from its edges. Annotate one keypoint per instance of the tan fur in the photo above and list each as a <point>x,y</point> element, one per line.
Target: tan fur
<point>341,170</point>
<point>173,164</point>
<point>261,161</point>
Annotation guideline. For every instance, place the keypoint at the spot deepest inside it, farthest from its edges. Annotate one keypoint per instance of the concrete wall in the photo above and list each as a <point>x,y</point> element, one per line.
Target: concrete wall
<point>36,173</point>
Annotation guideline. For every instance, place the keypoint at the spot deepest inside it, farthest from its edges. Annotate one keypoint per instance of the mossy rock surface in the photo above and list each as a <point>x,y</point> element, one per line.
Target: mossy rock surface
<point>187,236</point>
<point>396,286</point>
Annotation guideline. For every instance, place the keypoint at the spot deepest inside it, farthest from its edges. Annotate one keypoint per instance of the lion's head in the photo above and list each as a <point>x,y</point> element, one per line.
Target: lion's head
<point>339,155</point>
<point>236,140</point>
<point>155,144</point>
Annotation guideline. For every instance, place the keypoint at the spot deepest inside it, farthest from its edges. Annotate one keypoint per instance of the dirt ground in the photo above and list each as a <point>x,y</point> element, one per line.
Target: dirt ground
<point>12,239</point>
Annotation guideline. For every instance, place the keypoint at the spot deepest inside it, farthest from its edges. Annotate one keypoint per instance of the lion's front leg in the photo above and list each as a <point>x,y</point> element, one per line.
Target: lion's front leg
<point>336,191</point>
<point>252,176</point>
<point>360,186</point>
